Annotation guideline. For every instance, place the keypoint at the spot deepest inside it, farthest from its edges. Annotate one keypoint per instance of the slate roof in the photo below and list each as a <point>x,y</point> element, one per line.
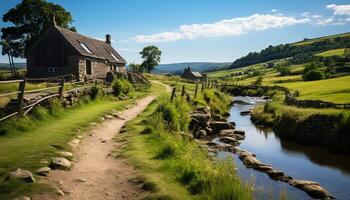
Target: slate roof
<point>99,49</point>
<point>197,74</point>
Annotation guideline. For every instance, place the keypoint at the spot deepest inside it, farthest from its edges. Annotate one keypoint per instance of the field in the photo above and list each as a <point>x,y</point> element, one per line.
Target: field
<point>322,38</point>
<point>336,90</point>
<point>334,52</point>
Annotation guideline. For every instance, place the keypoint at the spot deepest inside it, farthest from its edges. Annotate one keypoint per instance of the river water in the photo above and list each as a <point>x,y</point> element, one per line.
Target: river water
<point>312,163</point>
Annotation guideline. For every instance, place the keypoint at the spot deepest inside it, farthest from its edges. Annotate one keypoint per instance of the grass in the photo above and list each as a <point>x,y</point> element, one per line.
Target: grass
<point>333,52</point>
<point>24,142</point>
<point>335,90</point>
<point>178,167</point>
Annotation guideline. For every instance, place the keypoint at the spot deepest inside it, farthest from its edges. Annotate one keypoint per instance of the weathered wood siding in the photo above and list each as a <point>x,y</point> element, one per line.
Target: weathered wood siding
<point>51,50</point>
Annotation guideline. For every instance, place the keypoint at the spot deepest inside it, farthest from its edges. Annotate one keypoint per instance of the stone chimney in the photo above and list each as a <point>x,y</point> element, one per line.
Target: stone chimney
<point>108,39</point>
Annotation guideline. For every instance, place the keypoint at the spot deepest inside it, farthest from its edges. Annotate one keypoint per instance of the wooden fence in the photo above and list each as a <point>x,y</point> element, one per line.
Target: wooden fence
<point>185,93</point>
<point>55,91</point>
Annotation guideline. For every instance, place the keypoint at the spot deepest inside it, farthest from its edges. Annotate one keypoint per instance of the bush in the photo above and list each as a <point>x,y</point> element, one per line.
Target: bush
<point>284,71</point>
<point>149,186</point>
<point>313,75</point>
<point>117,87</point>
<point>167,151</point>
<point>126,86</point>
<point>121,86</point>
<point>94,92</point>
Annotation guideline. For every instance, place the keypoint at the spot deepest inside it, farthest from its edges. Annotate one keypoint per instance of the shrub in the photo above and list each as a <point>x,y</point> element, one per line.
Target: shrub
<point>117,87</point>
<point>149,186</point>
<point>284,71</point>
<point>94,92</point>
<point>121,86</point>
<point>147,130</point>
<point>126,86</point>
<point>55,107</point>
<point>313,75</point>
<point>167,151</point>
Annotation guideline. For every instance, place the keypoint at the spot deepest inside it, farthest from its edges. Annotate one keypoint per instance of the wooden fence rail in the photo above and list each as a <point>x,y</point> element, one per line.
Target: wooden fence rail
<point>20,109</point>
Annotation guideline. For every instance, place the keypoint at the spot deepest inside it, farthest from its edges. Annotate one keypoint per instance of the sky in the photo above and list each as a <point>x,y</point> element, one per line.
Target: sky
<point>201,30</point>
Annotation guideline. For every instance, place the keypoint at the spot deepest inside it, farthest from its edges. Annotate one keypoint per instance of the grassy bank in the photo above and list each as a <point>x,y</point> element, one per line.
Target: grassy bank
<point>26,141</point>
<point>327,127</point>
<point>173,163</point>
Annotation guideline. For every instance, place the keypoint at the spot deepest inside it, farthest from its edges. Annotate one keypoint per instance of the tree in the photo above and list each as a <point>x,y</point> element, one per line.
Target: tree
<point>30,19</point>
<point>258,80</point>
<point>151,56</point>
<point>313,75</point>
<point>284,71</point>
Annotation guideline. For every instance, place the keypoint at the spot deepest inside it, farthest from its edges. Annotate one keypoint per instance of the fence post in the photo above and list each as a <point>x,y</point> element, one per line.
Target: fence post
<point>60,90</point>
<point>202,88</point>
<point>195,92</point>
<point>173,94</point>
<point>20,96</point>
<point>183,91</point>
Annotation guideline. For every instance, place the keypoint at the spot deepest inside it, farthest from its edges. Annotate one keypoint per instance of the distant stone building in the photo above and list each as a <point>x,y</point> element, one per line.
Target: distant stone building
<point>60,51</point>
<point>194,76</point>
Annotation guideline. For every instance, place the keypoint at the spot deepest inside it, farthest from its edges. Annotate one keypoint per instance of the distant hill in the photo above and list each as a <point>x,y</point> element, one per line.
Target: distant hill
<point>178,68</point>
<point>312,46</point>
<point>6,66</point>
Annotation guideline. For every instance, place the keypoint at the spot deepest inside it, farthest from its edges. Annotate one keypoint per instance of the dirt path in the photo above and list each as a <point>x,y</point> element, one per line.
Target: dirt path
<point>167,87</point>
<point>95,174</point>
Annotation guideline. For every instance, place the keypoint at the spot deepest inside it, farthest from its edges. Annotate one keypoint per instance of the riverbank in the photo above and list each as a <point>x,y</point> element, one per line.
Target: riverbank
<point>171,161</point>
<point>326,127</point>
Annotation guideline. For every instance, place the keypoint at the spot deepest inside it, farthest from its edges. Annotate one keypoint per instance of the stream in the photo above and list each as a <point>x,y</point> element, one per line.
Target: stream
<point>312,163</point>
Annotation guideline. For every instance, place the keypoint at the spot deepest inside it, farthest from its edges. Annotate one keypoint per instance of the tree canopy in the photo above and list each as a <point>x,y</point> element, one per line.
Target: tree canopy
<point>151,57</point>
<point>30,19</point>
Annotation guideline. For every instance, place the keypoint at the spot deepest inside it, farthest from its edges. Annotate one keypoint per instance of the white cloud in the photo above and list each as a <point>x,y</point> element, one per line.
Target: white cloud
<point>316,16</point>
<point>159,37</point>
<point>226,27</point>
<point>325,21</point>
<point>339,9</point>
<point>274,10</point>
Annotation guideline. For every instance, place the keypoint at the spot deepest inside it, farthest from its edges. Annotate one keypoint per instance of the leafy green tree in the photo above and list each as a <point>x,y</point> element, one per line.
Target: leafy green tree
<point>314,75</point>
<point>284,71</point>
<point>151,57</point>
<point>30,19</point>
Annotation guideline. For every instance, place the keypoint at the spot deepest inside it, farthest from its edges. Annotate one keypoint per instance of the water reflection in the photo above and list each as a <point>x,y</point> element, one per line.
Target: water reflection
<point>302,162</point>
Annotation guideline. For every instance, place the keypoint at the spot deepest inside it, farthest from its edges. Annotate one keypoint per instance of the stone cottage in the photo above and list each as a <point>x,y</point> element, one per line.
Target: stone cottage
<point>194,76</point>
<point>60,51</point>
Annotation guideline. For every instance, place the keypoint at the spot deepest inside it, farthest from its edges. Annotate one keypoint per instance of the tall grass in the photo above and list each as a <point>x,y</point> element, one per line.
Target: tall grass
<point>183,159</point>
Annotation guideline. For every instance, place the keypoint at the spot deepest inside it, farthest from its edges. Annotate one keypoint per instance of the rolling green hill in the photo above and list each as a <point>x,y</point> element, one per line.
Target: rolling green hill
<point>178,68</point>
<point>312,46</point>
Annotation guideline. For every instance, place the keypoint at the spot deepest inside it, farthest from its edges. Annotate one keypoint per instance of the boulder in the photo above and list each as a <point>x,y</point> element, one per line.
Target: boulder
<point>239,132</point>
<point>229,140</point>
<point>223,147</point>
<point>108,116</point>
<point>251,162</point>
<point>21,174</point>
<point>314,189</point>
<point>227,132</point>
<point>205,110</point>
<point>219,118</point>
<point>275,174</point>
<point>247,112</point>
<point>201,118</point>
<point>233,123</point>
<point>218,126</point>
<point>44,171</point>
<point>60,163</point>
<point>194,125</point>
<point>65,154</point>
<point>200,134</point>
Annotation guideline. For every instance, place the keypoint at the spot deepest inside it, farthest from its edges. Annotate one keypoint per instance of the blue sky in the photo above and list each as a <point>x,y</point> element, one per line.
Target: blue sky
<point>202,30</point>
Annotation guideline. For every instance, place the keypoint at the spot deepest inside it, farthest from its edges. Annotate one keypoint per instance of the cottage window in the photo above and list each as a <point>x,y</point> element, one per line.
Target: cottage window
<point>115,67</point>
<point>85,47</point>
<point>52,69</point>
<point>88,67</point>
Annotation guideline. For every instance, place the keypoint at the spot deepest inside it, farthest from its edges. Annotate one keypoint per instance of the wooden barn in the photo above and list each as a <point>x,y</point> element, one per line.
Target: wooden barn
<point>60,51</point>
<point>194,76</point>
